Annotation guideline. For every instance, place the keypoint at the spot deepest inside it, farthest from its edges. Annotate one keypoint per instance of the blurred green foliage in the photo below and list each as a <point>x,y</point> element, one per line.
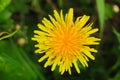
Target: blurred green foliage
<point>4,4</point>
<point>18,19</point>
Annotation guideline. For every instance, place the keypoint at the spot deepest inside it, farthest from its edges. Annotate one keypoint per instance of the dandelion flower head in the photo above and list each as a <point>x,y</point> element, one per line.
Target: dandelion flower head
<point>64,42</point>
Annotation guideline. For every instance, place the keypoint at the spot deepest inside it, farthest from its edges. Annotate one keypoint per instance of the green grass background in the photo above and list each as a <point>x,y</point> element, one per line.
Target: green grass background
<point>18,19</point>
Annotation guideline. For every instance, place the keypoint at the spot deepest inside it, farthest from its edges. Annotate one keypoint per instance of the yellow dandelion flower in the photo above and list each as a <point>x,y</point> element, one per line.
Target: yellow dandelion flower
<point>64,42</point>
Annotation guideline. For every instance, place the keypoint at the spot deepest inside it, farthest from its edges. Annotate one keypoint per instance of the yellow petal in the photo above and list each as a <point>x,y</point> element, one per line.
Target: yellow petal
<point>69,70</point>
<point>82,60</point>
<point>76,66</point>
<point>82,21</point>
<point>48,24</point>
<point>40,32</point>
<point>87,53</point>
<point>42,58</point>
<point>57,16</point>
<point>69,17</point>
<point>54,66</point>
<point>62,18</point>
<point>92,31</point>
<point>40,26</point>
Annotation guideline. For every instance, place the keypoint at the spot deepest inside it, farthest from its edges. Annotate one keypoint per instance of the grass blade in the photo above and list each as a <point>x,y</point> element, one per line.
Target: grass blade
<point>101,14</point>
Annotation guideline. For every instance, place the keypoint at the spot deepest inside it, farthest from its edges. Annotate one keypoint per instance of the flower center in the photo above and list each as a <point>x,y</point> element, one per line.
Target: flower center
<point>66,40</point>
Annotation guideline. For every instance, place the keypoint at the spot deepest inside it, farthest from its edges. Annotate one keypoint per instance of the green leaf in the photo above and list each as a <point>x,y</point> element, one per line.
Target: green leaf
<point>12,56</point>
<point>108,11</point>
<point>4,15</point>
<point>7,62</point>
<point>117,34</point>
<point>15,55</point>
<point>117,77</point>
<point>4,4</point>
<point>10,66</point>
<point>101,14</point>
